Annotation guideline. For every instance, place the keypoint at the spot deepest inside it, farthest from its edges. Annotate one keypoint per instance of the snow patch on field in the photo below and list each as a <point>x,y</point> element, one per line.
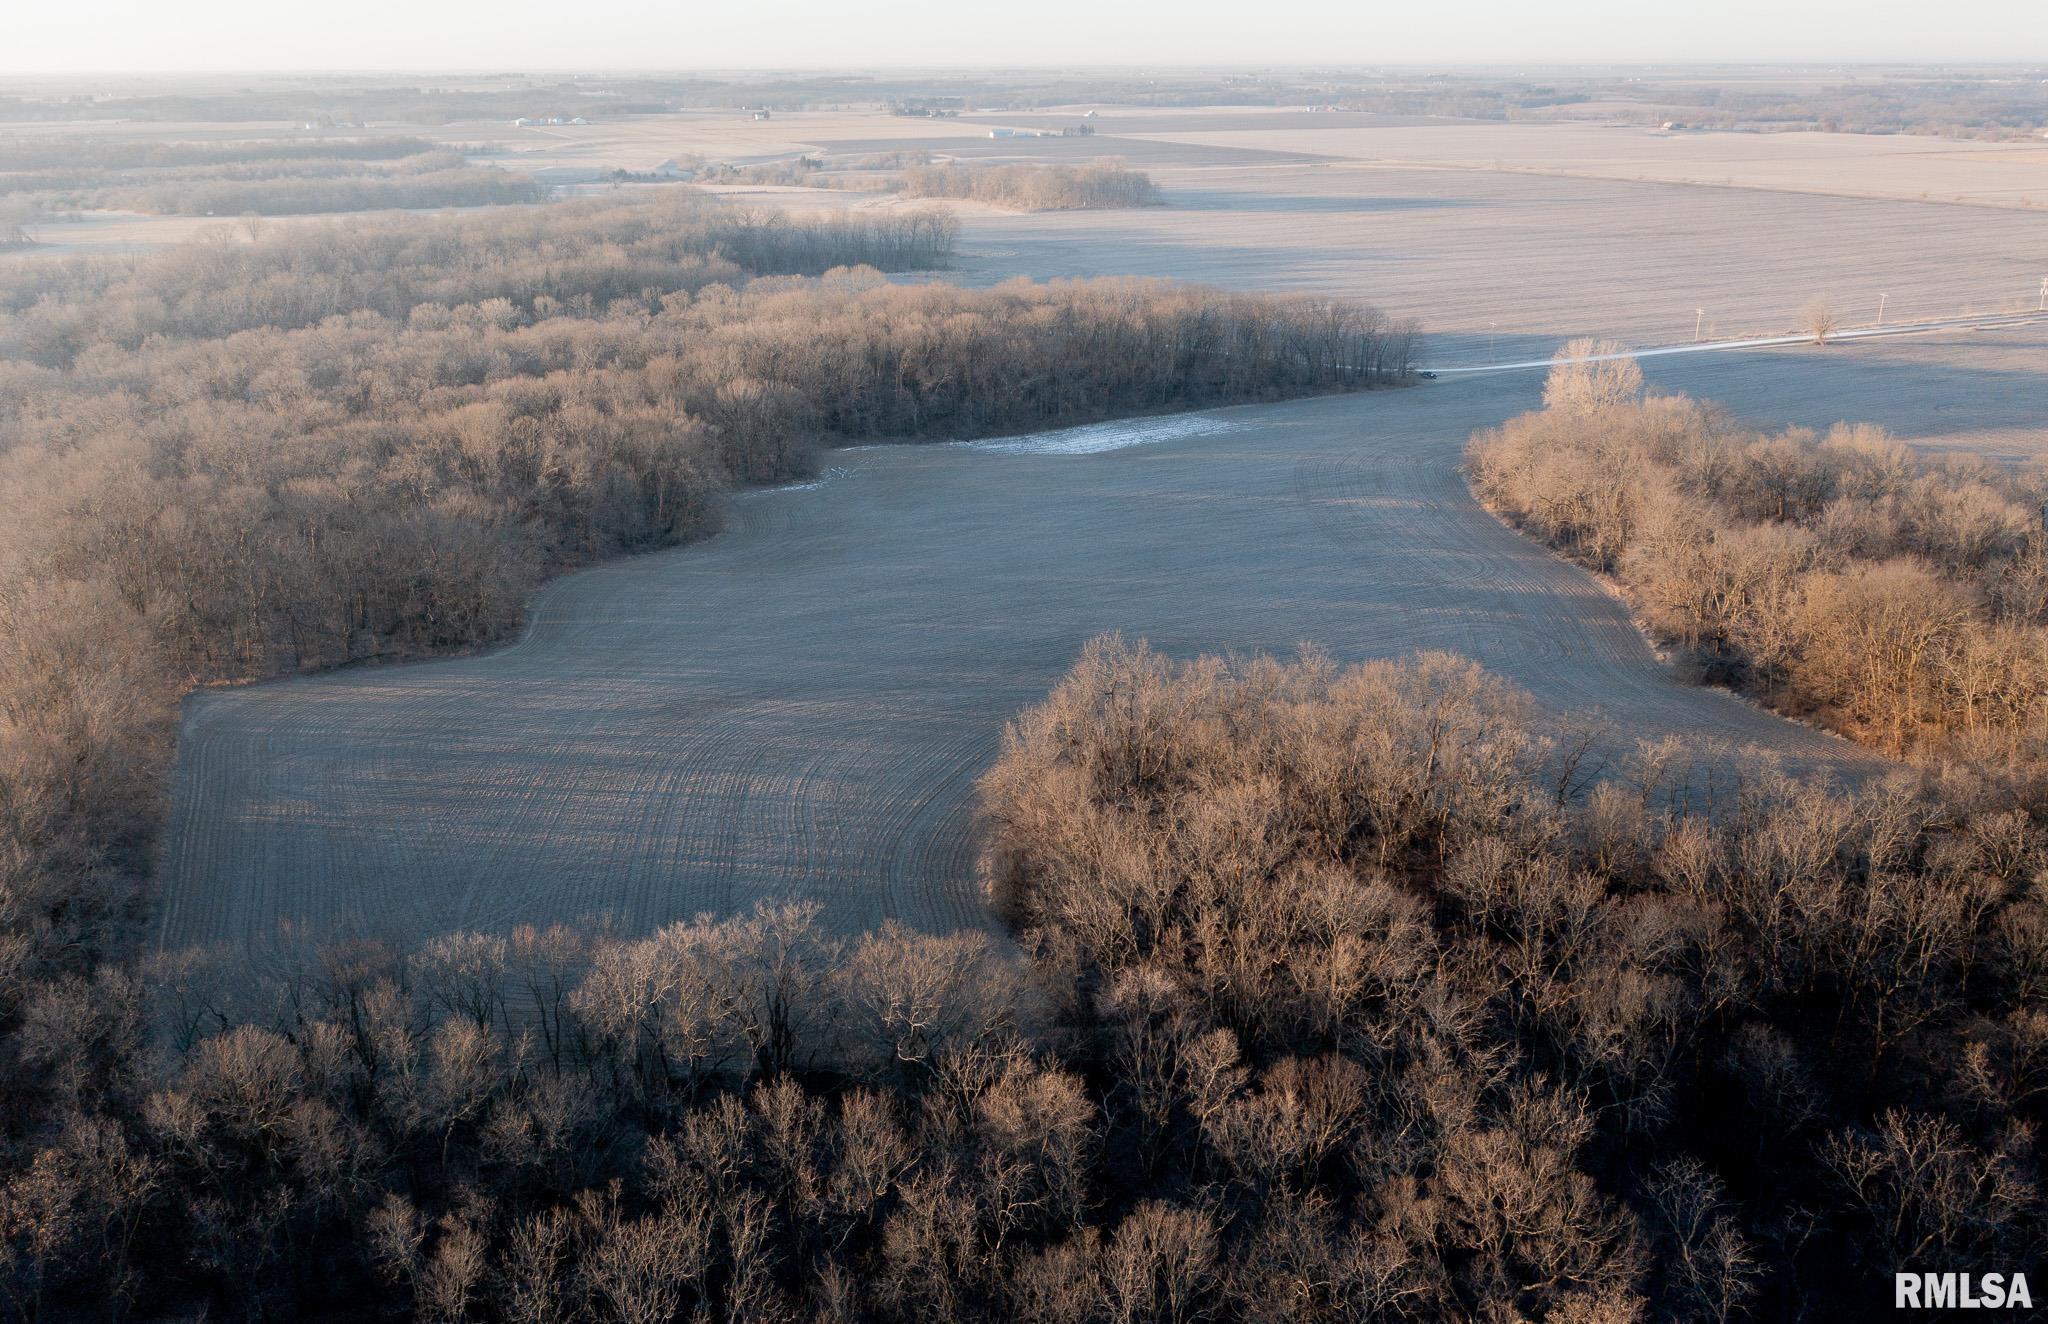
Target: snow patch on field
<point>830,475</point>
<point>1098,437</point>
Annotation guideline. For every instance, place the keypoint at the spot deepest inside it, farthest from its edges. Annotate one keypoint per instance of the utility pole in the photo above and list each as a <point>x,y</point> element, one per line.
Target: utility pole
<point>1699,319</point>
<point>2042,304</point>
<point>1490,326</point>
<point>1880,308</point>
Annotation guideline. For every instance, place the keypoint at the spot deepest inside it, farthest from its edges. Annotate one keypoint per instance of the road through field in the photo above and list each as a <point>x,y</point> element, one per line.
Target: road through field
<point>800,705</point>
<point>1997,322</point>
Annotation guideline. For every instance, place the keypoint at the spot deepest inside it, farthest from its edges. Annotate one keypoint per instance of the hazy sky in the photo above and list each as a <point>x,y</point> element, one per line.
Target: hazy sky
<point>60,36</point>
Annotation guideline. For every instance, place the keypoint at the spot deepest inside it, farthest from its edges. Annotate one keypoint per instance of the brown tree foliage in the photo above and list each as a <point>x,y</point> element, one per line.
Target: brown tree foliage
<point>1033,187</point>
<point>373,441</point>
<point>1329,1008</point>
<point>270,179</point>
<point>1445,1043</point>
<point>237,459</point>
<point>1898,597</point>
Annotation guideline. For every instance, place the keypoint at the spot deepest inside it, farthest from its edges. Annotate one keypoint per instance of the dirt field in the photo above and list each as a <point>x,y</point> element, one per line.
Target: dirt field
<point>93,234</point>
<point>1545,258</point>
<point>644,141</point>
<point>1855,165</point>
<point>800,706</point>
<point>1851,165</point>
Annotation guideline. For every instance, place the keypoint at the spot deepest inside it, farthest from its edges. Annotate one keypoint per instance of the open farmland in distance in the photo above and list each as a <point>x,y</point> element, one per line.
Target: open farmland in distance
<point>1855,165</point>
<point>1544,258</point>
<point>1547,230</point>
<point>1865,165</point>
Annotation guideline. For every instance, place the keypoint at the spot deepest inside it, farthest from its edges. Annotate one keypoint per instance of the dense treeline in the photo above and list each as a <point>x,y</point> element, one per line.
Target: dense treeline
<point>76,153</point>
<point>88,187</point>
<point>1420,1040</point>
<point>1901,599</point>
<point>861,172</point>
<point>233,182</point>
<point>1990,108</point>
<point>580,256</point>
<point>1332,1010</point>
<point>509,442</point>
<point>354,106</point>
<point>1033,187</point>
<point>1025,187</point>
<point>372,440</point>
<point>295,194</point>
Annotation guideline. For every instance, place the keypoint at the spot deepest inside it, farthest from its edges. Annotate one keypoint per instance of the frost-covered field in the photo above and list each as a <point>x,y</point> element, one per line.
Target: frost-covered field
<point>1851,164</point>
<point>1523,261</point>
<point>800,706</point>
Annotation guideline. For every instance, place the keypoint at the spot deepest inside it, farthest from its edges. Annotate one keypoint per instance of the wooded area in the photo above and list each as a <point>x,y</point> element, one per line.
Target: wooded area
<point>373,440</point>
<point>233,179</point>
<point>1899,598</point>
<point>1336,1005</point>
<point>1033,187</point>
<point>22,153</point>
<point>1021,187</point>
<point>1422,1034</point>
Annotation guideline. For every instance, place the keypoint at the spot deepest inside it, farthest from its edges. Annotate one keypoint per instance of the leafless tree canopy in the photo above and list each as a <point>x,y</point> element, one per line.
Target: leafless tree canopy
<point>1605,1058</point>
<point>1022,187</point>
<point>1591,375</point>
<point>1820,319</point>
<point>1330,1006</point>
<point>229,179</point>
<point>236,460</point>
<point>1033,187</point>
<point>1903,600</point>
<point>290,448</point>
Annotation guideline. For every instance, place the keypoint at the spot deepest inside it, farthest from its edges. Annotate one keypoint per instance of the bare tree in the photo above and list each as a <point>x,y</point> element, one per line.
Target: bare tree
<point>1819,318</point>
<point>1589,375</point>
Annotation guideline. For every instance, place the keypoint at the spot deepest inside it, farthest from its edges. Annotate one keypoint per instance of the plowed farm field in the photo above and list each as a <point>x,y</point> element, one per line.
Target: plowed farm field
<point>799,706</point>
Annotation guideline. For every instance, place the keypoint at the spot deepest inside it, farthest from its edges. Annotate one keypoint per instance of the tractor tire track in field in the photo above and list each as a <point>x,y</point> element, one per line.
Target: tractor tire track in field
<point>799,706</point>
